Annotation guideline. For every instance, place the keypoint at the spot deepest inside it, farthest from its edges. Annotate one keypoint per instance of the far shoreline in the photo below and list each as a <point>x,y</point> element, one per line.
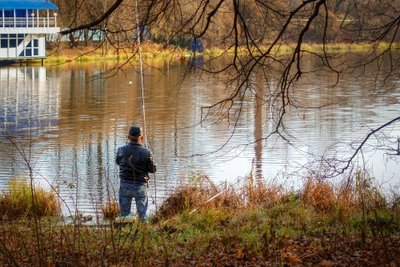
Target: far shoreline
<point>154,53</point>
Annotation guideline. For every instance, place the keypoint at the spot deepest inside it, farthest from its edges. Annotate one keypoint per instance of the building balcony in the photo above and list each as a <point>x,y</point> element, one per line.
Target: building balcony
<point>33,22</point>
<point>35,25</point>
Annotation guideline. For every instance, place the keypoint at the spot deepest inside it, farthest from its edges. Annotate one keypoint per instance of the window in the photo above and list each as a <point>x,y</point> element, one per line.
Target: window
<point>27,48</point>
<point>20,13</point>
<point>3,43</point>
<point>13,43</point>
<point>8,13</point>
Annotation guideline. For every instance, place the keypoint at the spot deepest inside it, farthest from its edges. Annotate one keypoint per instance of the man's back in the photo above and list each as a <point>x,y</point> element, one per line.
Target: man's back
<point>135,162</point>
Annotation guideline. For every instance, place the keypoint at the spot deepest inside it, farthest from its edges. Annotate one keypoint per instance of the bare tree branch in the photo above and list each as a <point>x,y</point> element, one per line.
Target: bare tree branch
<point>358,149</point>
<point>97,21</point>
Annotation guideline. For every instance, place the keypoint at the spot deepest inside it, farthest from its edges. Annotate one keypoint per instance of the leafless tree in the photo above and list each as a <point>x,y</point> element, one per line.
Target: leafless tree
<point>254,31</point>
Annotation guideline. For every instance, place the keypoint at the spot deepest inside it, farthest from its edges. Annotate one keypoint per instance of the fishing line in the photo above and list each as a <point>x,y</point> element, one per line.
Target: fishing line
<point>141,73</point>
<point>138,32</point>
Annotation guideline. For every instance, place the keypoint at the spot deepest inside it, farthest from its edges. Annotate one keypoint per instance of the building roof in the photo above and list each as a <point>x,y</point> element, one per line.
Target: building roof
<point>27,4</point>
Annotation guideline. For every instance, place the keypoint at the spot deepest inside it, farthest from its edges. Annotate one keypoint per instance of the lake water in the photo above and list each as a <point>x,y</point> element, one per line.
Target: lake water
<point>68,123</point>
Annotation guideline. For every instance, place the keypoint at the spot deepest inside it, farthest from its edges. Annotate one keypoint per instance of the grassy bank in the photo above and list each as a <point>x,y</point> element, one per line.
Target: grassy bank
<point>201,224</point>
<point>157,53</point>
<point>86,54</point>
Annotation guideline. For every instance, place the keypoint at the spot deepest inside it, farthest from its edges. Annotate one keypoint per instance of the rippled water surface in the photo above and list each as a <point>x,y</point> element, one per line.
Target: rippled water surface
<point>68,124</point>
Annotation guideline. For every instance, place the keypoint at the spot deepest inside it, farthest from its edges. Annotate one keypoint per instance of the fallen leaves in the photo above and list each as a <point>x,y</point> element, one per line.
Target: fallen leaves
<point>95,249</point>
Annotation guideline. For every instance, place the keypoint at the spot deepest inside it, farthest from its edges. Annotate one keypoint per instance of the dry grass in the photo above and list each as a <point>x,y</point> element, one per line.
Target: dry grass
<point>266,195</point>
<point>183,199</point>
<point>92,53</point>
<point>343,201</point>
<point>318,194</point>
<point>247,225</point>
<point>204,195</point>
<point>20,200</point>
<point>110,209</point>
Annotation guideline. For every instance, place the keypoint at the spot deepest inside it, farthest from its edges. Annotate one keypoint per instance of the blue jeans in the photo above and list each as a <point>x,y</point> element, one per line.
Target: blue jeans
<point>127,191</point>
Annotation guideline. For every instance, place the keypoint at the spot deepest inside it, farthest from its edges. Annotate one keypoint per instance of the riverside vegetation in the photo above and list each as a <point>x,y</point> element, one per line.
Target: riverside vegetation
<point>154,52</point>
<point>201,224</point>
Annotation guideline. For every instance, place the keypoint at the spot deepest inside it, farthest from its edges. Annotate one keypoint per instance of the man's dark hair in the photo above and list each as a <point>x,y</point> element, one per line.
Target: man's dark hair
<point>134,139</point>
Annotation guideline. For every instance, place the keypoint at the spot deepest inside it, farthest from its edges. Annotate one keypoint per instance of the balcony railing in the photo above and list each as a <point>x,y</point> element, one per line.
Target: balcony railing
<point>30,22</point>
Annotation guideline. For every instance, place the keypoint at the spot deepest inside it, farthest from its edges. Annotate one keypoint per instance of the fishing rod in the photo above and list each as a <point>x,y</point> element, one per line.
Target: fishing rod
<point>138,32</point>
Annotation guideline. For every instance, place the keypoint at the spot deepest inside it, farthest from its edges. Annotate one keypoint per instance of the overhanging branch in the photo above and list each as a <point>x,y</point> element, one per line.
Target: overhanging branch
<point>365,140</point>
<point>97,21</point>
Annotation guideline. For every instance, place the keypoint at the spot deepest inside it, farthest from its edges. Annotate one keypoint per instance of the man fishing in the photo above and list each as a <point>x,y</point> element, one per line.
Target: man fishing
<point>135,162</point>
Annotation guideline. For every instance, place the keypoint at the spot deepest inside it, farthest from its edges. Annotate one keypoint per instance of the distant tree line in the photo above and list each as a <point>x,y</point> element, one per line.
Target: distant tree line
<point>222,23</point>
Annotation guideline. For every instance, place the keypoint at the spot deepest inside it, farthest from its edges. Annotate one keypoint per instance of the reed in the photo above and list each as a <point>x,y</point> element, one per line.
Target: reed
<point>340,202</point>
<point>318,194</point>
<point>110,209</point>
<point>20,200</point>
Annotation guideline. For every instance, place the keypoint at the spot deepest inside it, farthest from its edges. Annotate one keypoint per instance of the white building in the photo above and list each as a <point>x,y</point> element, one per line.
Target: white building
<point>23,28</point>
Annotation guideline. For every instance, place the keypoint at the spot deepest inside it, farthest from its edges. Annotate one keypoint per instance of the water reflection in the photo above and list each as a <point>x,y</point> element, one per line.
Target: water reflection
<point>71,124</point>
<point>28,102</point>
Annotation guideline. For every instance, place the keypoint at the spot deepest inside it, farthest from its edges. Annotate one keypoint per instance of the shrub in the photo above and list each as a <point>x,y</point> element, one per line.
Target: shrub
<point>21,200</point>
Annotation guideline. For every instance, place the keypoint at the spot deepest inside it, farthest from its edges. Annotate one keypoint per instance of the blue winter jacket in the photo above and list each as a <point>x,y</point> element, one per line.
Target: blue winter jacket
<point>135,162</point>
